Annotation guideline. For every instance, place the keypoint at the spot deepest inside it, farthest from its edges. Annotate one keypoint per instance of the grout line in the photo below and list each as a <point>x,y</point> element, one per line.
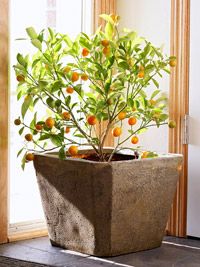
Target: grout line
<point>180,245</point>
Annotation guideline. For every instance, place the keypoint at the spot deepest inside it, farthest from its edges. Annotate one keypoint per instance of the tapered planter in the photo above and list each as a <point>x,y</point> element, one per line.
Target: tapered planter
<point>107,209</point>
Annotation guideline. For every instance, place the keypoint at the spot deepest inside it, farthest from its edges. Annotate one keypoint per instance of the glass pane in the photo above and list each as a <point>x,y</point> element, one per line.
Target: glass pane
<point>66,17</point>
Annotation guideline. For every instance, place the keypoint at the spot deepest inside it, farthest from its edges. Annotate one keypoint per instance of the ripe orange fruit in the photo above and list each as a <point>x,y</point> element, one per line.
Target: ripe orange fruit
<point>75,76</point>
<point>92,120</point>
<point>172,63</point>
<point>67,130</point>
<point>73,150</point>
<point>38,127</point>
<point>141,74</point>
<point>134,140</point>
<point>117,131</point>
<point>132,121</point>
<point>29,157</point>
<point>28,137</point>
<point>85,52</point>
<point>122,115</point>
<point>66,69</point>
<point>69,90</point>
<point>17,122</point>
<point>66,115</point>
<point>84,77</point>
<point>106,51</point>
<point>50,122</point>
<point>172,124</point>
<point>20,78</point>
<point>105,42</point>
<point>144,154</point>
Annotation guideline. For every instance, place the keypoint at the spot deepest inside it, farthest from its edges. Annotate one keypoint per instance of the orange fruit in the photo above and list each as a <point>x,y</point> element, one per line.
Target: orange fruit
<point>38,127</point>
<point>105,42</point>
<point>67,130</point>
<point>66,115</point>
<point>28,137</point>
<point>152,102</point>
<point>75,76</point>
<point>134,109</point>
<point>144,154</point>
<point>132,121</point>
<point>84,77</point>
<point>115,18</point>
<point>85,52</point>
<point>66,69</point>
<point>29,157</point>
<point>106,51</point>
<point>17,122</point>
<point>172,124</point>
<point>69,90</point>
<point>50,122</point>
<point>122,115</point>
<point>141,74</point>
<point>172,63</point>
<point>141,67</point>
<point>73,150</point>
<point>92,120</point>
<point>134,140</point>
<point>20,78</point>
<point>117,131</point>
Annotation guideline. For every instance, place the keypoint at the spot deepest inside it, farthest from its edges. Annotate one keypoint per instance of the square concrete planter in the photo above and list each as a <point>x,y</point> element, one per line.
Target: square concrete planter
<point>107,209</point>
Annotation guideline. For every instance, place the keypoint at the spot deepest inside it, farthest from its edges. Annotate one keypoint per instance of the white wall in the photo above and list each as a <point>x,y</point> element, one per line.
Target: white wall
<point>150,19</point>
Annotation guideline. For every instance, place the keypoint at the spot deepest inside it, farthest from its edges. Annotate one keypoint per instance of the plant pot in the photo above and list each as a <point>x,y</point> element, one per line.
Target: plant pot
<point>107,209</point>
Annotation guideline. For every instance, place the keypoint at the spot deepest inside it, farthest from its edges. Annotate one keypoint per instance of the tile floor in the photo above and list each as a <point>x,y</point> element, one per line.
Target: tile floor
<point>174,252</point>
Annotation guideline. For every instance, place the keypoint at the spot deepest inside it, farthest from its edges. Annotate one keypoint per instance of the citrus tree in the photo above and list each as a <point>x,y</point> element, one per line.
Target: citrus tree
<point>88,82</point>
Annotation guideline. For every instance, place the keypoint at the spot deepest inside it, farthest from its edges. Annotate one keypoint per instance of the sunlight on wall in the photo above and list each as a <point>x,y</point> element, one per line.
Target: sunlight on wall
<point>150,19</point>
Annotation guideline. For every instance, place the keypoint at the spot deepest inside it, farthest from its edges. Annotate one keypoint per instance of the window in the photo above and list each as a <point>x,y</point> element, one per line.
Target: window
<point>64,16</point>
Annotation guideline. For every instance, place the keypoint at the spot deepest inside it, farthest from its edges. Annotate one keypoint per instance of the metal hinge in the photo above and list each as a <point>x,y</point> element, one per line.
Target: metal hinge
<point>185,139</point>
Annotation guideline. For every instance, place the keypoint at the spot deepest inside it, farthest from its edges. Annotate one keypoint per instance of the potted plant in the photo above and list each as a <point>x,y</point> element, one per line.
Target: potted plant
<point>97,200</point>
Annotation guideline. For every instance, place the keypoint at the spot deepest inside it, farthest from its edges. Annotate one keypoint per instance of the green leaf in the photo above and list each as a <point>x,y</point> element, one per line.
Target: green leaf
<point>23,161</point>
<point>106,18</point>
<point>56,139</point>
<point>124,65</point>
<point>51,33</point>
<point>44,137</point>
<point>26,105</point>
<point>68,100</point>
<point>155,82</point>
<point>143,130</point>
<point>19,152</point>
<point>31,33</point>
<point>35,62</point>
<point>21,60</point>
<point>68,41</point>
<point>21,130</point>
<point>37,44</point>
<point>57,47</point>
<point>79,135</point>
<point>109,30</point>
<point>61,153</point>
<point>155,93</point>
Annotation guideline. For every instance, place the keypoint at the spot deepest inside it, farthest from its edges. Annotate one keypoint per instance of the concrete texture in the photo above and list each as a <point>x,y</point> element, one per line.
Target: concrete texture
<point>107,209</point>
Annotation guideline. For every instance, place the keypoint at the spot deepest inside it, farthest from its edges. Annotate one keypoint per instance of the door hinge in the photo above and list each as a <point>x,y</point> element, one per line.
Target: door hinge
<point>185,139</point>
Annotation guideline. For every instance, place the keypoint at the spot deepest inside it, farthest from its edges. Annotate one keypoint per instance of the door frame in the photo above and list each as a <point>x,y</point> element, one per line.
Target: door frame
<point>178,108</point>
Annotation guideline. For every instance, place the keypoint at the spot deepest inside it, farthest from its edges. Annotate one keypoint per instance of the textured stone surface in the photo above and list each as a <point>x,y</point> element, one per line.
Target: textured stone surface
<point>107,209</point>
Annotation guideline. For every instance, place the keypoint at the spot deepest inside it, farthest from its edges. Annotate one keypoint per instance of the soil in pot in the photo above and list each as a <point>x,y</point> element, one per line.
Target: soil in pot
<point>116,156</point>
